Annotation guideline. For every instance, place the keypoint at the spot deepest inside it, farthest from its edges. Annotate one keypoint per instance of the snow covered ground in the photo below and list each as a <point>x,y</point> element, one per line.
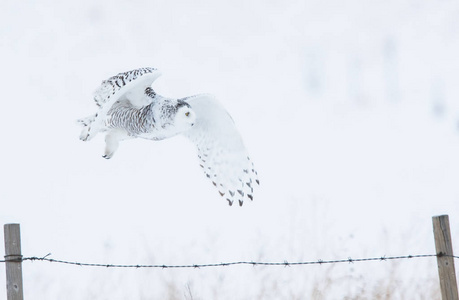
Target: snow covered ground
<point>349,110</point>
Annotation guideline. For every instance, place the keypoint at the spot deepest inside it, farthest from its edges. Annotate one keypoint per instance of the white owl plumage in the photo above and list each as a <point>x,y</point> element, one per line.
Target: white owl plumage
<point>130,108</point>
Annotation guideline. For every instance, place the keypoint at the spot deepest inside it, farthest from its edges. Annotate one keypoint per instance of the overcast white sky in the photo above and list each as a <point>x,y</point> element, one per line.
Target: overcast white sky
<point>349,110</point>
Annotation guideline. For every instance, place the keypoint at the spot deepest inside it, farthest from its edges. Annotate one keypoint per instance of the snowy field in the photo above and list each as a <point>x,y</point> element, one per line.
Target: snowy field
<point>350,112</point>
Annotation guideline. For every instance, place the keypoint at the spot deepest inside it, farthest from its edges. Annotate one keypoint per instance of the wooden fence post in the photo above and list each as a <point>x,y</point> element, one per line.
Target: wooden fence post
<point>13,262</point>
<point>445,259</point>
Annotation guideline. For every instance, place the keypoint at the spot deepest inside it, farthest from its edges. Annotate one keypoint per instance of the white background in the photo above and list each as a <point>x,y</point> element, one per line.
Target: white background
<point>349,111</point>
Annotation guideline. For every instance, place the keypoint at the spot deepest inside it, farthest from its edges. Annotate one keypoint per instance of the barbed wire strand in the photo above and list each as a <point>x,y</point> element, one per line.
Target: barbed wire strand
<point>224,264</point>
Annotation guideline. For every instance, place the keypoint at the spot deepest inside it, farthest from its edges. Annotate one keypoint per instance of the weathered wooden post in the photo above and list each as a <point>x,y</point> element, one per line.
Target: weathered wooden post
<point>445,259</point>
<point>13,262</point>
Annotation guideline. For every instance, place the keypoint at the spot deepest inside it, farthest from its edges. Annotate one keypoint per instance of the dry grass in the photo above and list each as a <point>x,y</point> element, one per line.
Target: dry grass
<point>326,286</point>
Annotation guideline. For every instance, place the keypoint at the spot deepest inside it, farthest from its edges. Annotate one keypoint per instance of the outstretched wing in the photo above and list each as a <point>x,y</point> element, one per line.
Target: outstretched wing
<point>221,151</point>
<point>130,85</point>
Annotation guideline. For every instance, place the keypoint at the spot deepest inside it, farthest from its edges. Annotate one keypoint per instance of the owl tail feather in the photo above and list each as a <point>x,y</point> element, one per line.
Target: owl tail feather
<point>86,123</point>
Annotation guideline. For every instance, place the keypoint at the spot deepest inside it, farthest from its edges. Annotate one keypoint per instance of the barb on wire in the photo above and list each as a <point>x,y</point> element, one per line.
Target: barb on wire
<point>285,263</point>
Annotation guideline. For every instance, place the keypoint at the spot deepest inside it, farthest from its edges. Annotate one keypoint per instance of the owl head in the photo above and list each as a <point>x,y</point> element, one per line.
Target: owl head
<point>184,117</point>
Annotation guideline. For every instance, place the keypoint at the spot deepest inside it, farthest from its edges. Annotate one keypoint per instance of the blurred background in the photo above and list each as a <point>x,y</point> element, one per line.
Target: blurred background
<point>349,110</point>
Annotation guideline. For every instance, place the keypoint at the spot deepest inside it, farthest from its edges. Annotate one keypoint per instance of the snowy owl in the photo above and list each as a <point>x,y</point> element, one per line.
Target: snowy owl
<point>130,108</point>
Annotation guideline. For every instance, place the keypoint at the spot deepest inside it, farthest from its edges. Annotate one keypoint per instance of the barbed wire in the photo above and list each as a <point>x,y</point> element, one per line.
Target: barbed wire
<point>285,263</point>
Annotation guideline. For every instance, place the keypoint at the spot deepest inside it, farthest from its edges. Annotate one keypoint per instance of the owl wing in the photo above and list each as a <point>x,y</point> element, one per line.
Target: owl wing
<point>128,86</point>
<point>221,151</point>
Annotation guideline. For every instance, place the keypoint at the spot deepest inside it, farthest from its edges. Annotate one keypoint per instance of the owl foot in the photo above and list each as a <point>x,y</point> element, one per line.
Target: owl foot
<point>112,141</point>
<point>111,145</point>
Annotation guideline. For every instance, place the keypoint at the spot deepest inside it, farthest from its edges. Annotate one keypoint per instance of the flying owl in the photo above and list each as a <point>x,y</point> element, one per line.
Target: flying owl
<point>130,108</point>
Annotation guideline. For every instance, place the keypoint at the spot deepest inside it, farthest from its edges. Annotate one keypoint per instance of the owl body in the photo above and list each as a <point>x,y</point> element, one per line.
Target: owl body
<point>162,118</point>
<point>130,108</point>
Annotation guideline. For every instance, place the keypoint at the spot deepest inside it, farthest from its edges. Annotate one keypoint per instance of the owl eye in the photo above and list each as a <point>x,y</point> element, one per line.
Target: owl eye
<point>187,113</point>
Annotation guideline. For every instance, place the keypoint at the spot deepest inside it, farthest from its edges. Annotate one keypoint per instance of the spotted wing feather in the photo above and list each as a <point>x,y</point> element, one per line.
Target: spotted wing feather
<point>131,84</point>
<point>127,86</point>
<point>221,151</point>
